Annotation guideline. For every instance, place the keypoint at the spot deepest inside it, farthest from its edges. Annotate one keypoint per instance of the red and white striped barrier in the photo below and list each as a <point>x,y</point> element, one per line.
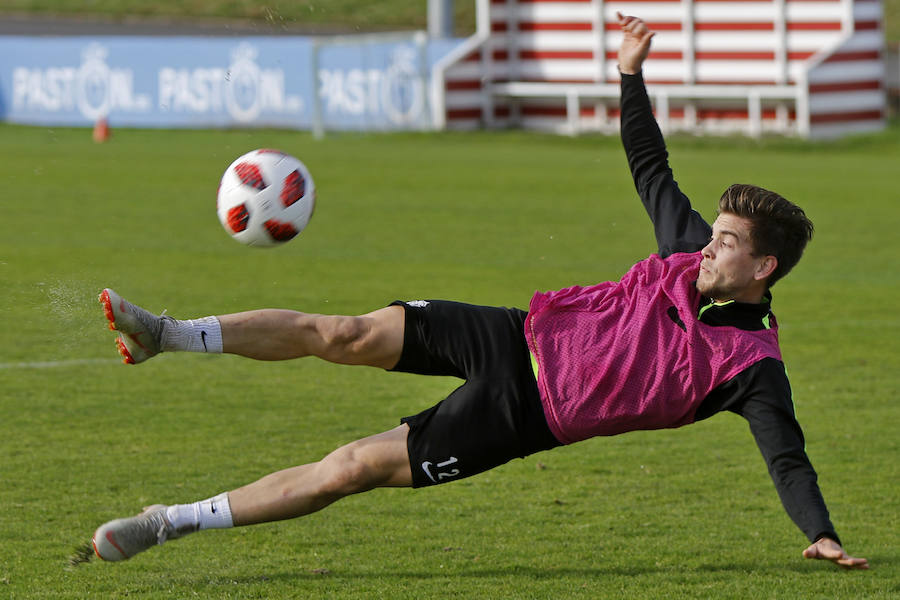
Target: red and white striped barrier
<point>813,68</point>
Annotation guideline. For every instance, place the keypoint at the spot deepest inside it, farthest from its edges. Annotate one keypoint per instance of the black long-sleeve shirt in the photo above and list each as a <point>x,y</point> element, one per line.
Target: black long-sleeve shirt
<point>761,393</point>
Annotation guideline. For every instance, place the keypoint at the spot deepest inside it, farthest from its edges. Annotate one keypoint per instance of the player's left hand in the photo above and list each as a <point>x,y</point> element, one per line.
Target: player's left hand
<point>828,549</point>
<point>635,44</point>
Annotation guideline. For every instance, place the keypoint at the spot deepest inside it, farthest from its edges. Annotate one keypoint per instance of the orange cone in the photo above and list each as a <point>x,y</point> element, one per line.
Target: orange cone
<point>101,130</point>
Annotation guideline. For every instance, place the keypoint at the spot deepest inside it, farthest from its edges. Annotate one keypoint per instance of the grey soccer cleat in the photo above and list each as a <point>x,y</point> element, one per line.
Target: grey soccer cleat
<point>123,538</point>
<point>140,331</point>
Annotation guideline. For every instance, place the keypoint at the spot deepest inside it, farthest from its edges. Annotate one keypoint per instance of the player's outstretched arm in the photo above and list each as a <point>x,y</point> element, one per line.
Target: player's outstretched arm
<point>828,549</point>
<point>677,226</point>
<point>635,45</point>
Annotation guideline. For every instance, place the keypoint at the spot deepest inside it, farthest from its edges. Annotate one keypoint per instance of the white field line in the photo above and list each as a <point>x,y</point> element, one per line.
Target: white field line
<point>52,364</point>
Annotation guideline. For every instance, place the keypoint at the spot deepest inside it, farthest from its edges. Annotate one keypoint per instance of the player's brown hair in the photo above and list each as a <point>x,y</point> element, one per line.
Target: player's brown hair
<point>778,227</point>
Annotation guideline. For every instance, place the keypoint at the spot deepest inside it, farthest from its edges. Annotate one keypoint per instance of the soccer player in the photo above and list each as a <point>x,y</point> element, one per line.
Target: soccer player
<point>685,334</point>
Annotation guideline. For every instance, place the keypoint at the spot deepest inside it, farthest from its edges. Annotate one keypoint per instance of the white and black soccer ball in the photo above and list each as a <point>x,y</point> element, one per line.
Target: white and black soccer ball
<point>265,198</point>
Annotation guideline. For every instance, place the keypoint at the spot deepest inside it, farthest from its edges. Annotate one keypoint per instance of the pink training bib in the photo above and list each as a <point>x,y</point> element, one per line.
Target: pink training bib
<point>628,355</point>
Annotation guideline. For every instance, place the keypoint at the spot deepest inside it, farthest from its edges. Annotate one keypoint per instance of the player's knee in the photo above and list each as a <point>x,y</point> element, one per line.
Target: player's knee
<point>344,473</point>
<point>343,335</point>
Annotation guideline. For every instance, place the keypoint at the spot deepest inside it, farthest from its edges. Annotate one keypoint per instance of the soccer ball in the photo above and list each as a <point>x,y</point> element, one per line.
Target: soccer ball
<point>265,198</point>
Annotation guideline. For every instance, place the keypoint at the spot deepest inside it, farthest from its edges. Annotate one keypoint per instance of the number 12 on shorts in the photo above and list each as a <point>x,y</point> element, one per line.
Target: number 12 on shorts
<point>438,472</point>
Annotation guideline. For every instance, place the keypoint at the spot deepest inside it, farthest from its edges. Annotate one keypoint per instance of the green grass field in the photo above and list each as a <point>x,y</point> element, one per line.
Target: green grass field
<point>486,218</point>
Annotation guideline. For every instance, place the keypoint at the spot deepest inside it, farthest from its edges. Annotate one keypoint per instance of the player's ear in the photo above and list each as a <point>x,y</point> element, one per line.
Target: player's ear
<point>766,267</point>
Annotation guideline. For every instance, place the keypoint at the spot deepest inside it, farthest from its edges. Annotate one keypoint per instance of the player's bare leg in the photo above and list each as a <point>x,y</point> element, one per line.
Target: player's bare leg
<point>380,460</point>
<point>374,339</point>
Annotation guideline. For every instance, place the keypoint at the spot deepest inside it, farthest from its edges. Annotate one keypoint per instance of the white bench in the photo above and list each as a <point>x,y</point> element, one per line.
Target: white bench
<point>661,95</point>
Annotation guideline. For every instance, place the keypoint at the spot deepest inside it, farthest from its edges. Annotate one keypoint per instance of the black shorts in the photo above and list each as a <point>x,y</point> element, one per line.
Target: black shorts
<point>496,415</point>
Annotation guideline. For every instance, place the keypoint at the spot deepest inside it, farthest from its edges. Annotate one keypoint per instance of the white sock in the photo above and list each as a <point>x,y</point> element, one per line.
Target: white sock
<point>192,335</point>
<point>212,513</point>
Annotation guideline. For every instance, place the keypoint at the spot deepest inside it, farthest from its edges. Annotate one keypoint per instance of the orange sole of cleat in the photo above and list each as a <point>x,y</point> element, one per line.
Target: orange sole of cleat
<point>120,345</point>
<point>107,309</point>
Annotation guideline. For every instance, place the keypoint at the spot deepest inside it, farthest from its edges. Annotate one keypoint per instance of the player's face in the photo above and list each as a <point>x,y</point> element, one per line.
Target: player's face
<point>730,270</point>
